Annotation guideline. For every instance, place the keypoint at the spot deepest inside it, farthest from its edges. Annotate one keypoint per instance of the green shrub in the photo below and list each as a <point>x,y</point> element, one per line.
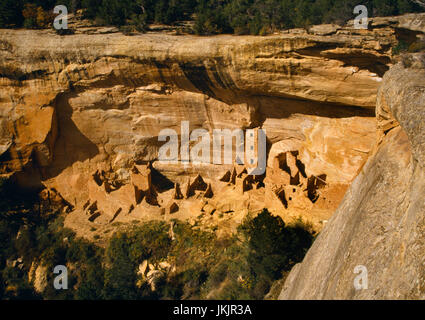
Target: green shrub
<point>273,248</point>
<point>400,48</point>
<point>10,13</point>
<point>36,17</point>
<point>91,8</point>
<point>120,277</point>
<point>417,46</point>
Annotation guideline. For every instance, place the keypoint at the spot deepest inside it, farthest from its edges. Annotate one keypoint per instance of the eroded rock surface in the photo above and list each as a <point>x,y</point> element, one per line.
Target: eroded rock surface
<point>380,223</point>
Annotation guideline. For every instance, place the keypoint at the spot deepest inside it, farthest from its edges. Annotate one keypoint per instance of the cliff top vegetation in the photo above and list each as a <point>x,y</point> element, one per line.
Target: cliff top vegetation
<point>207,16</point>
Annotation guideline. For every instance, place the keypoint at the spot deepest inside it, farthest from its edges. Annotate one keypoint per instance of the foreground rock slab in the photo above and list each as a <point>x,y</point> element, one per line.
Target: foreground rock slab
<point>380,223</point>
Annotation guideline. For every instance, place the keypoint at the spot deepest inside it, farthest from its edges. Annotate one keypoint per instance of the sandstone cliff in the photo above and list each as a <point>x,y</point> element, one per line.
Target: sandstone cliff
<point>80,115</point>
<point>380,223</point>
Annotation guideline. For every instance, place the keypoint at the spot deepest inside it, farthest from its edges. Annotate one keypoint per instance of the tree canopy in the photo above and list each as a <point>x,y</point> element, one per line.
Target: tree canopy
<point>210,16</point>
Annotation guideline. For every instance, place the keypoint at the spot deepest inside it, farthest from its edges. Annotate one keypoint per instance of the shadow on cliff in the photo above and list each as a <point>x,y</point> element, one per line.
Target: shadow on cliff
<point>71,144</point>
<point>281,108</point>
<point>216,82</point>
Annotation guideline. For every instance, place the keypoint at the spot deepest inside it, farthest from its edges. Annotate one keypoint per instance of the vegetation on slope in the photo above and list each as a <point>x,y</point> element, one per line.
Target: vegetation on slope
<point>242,266</point>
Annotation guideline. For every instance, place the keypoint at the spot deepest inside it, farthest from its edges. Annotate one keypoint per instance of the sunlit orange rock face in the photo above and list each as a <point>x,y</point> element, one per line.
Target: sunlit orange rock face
<point>73,107</point>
